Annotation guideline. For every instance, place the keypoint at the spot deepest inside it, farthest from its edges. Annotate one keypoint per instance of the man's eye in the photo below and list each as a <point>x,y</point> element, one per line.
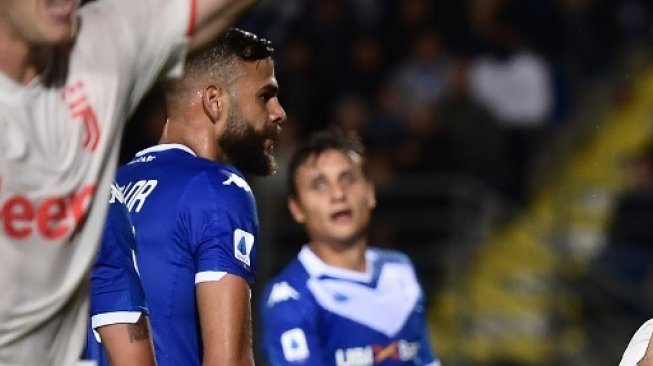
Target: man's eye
<point>318,186</point>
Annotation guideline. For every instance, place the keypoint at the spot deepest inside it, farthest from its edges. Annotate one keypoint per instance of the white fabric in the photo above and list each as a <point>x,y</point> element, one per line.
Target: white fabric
<point>396,292</point>
<point>637,347</point>
<point>116,317</point>
<point>316,267</point>
<point>58,150</point>
<point>517,91</point>
<point>209,276</point>
<point>165,147</point>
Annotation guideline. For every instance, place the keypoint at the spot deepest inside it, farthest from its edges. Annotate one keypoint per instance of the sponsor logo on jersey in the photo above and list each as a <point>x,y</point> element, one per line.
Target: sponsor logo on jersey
<point>74,95</point>
<point>374,354</point>
<point>294,345</point>
<point>282,291</point>
<point>52,217</point>
<point>243,244</point>
<point>238,181</point>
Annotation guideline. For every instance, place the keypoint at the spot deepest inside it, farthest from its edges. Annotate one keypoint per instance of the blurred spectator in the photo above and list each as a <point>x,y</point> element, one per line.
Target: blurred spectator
<point>146,126</point>
<point>510,80</point>
<point>421,78</point>
<point>514,84</point>
<point>296,69</point>
<point>475,142</point>
<point>632,223</point>
<point>422,150</point>
<point>406,18</point>
<point>617,291</point>
<point>366,67</point>
<point>351,114</point>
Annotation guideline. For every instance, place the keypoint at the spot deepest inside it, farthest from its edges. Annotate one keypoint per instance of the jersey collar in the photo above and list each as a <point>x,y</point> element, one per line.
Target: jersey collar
<point>165,147</point>
<point>316,267</point>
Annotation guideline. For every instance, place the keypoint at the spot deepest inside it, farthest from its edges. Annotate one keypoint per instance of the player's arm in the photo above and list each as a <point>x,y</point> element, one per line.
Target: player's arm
<point>213,17</point>
<point>128,344</point>
<point>647,360</point>
<point>291,335</point>
<point>639,351</point>
<point>225,321</point>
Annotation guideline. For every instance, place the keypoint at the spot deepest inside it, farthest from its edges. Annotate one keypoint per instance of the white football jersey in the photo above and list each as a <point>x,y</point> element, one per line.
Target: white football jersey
<point>59,142</point>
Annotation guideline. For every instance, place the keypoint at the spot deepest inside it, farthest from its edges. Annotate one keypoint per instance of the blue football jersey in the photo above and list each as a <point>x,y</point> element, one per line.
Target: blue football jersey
<point>319,315</point>
<point>195,221</point>
<point>116,292</point>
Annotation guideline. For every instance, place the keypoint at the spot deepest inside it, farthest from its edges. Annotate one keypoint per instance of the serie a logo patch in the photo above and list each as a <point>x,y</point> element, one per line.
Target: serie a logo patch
<point>243,244</point>
<point>294,345</point>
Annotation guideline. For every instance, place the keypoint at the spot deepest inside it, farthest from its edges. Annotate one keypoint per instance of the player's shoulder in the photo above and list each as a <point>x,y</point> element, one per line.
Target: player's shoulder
<point>288,286</point>
<point>389,256</point>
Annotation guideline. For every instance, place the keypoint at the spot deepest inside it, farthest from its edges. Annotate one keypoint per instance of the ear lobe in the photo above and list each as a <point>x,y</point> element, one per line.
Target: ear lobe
<point>212,102</point>
<point>296,211</point>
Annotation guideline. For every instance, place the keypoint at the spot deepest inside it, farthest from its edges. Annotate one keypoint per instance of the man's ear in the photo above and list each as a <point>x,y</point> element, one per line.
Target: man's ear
<point>213,102</point>
<point>296,210</point>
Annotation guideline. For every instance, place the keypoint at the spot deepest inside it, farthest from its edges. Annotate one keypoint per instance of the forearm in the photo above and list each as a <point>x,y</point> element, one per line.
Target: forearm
<point>214,17</point>
<point>128,344</point>
<point>225,317</point>
<point>647,360</point>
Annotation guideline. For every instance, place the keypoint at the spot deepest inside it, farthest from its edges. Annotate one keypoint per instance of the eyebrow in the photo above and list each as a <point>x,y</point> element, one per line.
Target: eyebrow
<point>270,88</point>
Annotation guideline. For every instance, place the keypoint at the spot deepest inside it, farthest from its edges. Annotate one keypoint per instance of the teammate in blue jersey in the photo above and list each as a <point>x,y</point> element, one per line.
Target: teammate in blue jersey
<point>341,302</point>
<point>194,212</point>
<point>119,333</point>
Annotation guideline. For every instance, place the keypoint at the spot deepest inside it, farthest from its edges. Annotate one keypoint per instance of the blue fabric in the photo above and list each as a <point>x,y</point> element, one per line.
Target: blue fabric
<point>115,285</point>
<point>192,216</point>
<point>298,329</point>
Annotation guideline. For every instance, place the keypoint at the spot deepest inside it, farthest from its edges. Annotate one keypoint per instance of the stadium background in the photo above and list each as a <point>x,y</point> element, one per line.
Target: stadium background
<point>510,144</point>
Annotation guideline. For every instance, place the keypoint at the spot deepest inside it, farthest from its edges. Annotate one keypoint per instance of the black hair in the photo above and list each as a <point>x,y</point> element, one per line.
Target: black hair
<point>317,144</point>
<point>216,61</point>
<point>237,42</point>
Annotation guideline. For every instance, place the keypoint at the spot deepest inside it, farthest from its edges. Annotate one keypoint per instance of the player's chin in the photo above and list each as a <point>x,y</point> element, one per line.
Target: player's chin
<point>58,34</point>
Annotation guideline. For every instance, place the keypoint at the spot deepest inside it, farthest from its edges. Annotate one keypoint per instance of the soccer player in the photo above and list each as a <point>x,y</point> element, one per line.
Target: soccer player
<point>341,302</point>
<point>640,349</point>
<point>68,81</point>
<point>119,334</point>
<point>194,212</point>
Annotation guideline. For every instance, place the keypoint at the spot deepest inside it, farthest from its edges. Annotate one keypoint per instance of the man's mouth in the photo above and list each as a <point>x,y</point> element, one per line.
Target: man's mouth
<point>62,10</point>
<point>342,215</point>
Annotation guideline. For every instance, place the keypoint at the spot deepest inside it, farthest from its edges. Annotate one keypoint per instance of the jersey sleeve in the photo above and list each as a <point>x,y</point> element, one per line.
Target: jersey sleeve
<point>290,330</point>
<point>146,38</point>
<point>117,295</point>
<point>636,349</point>
<point>224,230</point>
<point>427,357</point>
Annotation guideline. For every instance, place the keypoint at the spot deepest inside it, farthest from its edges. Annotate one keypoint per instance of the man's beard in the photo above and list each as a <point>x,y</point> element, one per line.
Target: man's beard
<point>244,146</point>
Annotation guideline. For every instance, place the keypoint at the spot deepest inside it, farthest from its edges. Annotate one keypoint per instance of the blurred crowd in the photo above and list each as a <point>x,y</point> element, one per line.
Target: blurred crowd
<point>467,88</point>
<point>446,94</point>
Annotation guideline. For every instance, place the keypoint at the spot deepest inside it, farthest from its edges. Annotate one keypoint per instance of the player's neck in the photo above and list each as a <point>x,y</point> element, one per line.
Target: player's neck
<point>202,144</point>
<point>351,257</point>
<point>20,60</point>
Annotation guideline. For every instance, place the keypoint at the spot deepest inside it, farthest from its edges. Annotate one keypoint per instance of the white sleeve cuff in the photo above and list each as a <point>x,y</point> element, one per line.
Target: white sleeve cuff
<point>116,317</point>
<point>637,346</point>
<point>434,363</point>
<point>209,276</point>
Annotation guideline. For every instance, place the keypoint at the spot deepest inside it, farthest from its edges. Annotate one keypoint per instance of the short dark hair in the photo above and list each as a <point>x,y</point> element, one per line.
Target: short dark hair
<point>236,42</point>
<point>217,59</point>
<point>317,144</point>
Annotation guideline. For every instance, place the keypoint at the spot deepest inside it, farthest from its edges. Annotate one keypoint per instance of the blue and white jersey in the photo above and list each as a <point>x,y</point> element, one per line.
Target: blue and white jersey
<point>116,292</point>
<point>319,315</point>
<point>195,222</point>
